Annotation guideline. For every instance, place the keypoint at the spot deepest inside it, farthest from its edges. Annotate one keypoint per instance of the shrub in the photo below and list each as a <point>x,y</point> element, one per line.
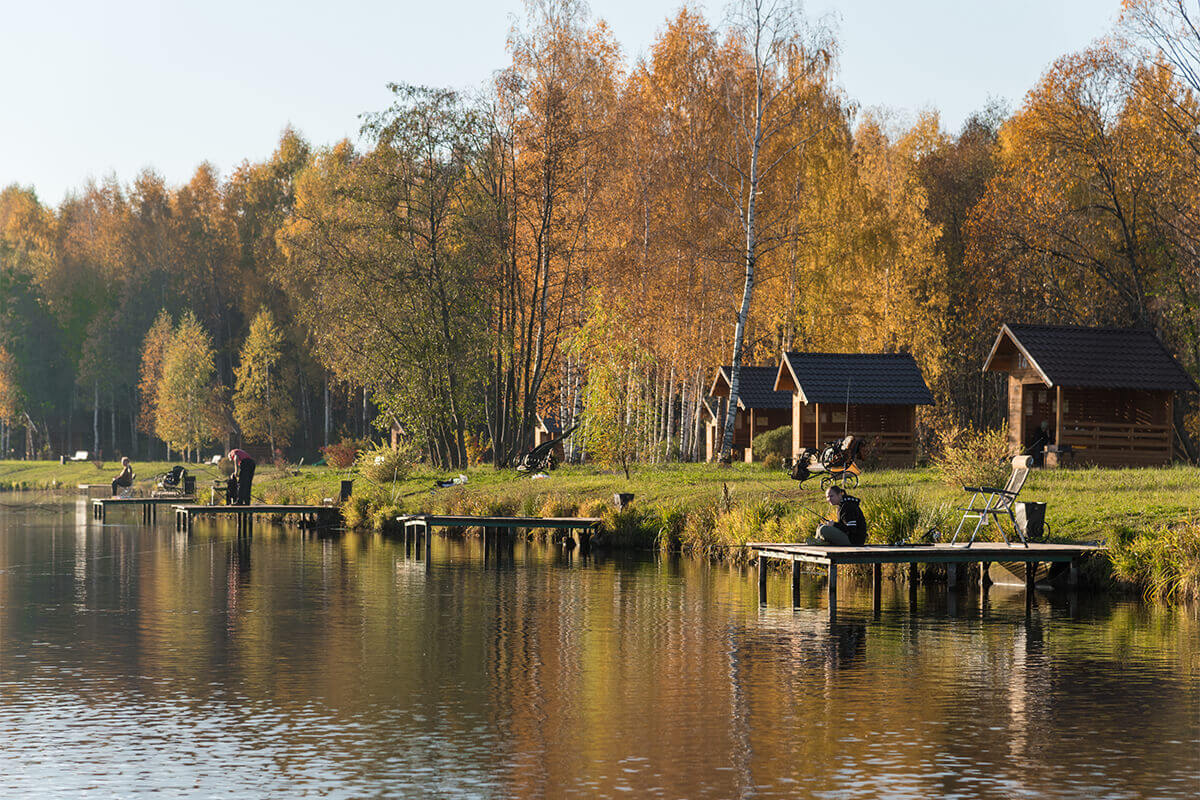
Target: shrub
<point>631,527</point>
<point>343,454</point>
<point>1164,563</point>
<point>671,524</point>
<point>385,465</point>
<point>746,523</point>
<point>970,457</point>
<point>777,443</point>
<point>893,516</point>
<point>556,505</point>
<point>699,529</point>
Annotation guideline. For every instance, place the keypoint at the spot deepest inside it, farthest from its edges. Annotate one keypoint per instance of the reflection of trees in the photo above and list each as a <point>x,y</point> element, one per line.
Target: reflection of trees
<point>614,676</point>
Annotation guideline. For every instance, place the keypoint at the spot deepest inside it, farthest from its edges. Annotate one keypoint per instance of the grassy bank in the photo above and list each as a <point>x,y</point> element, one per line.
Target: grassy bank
<point>711,511</point>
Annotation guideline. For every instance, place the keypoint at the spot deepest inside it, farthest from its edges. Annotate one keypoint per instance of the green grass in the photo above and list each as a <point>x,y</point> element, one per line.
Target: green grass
<point>1084,504</point>
<point>1148,514</point>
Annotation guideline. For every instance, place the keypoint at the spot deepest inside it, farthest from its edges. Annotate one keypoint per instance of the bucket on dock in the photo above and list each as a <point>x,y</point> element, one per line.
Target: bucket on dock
<point>1031,519</point>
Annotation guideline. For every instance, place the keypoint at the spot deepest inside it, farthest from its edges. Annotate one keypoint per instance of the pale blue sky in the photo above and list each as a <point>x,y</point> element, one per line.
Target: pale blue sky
<point>97,87</point>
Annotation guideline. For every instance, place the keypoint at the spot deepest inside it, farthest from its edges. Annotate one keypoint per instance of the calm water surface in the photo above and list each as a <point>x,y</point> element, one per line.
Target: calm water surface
<point>137,661</point>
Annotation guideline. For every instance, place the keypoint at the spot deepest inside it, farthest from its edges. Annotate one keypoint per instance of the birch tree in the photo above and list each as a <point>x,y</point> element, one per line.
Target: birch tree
<point>780,63</point>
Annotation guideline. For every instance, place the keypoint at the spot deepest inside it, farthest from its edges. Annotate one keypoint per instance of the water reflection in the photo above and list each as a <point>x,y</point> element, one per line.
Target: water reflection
<point>136,661</point>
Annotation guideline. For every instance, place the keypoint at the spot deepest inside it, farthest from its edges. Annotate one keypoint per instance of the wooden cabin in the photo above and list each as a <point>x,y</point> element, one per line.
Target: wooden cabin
<point>546,428</point>
<point>872,396</point>
<point>1106,394</point>
<point>760,409</point>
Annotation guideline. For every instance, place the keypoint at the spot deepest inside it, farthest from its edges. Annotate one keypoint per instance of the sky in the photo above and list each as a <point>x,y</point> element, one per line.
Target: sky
<point>90,89</point>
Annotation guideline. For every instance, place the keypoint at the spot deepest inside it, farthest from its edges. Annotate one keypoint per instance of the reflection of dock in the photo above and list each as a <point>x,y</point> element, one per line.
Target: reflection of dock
<point>90,489</point>
<point>149,505</point>
<point>308,516</point>
<point>954,556</point>
<point>578,529</point>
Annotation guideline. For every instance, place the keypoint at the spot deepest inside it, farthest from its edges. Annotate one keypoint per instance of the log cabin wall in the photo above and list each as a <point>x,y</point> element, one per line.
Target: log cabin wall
<point>887,431</point>
<point>1117,427</point>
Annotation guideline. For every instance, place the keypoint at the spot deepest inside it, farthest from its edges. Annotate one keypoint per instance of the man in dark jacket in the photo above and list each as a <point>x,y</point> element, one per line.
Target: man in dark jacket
<point>850,527</point>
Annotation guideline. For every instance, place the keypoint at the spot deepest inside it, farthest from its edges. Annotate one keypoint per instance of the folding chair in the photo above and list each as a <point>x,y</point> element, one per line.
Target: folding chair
<point>998,502</point>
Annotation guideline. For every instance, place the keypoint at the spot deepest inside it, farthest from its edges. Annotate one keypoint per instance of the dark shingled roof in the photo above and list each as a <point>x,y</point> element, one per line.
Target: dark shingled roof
<point>1108,358</point>
<point>756,387</point>
<point>872,378</point>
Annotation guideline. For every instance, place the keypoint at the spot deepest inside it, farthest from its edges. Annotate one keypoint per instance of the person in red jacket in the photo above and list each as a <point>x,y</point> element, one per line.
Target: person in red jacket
<point>243,473</point>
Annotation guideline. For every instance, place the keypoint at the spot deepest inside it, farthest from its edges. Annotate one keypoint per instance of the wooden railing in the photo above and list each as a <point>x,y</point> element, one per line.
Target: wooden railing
<point>1117,443</point>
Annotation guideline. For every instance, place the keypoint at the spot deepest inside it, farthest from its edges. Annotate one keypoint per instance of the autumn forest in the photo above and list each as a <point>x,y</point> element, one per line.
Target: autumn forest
<point>589,237</point>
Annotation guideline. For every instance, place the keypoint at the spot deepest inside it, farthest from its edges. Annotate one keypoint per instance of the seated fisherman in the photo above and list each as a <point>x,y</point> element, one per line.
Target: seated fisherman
<point>243,472</point>
<point>125,478</point>
<point>1038,442</point>
<point>850,527</point>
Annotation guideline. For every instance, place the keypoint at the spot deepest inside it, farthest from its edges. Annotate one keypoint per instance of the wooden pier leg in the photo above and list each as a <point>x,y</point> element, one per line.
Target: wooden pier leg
<point>877,587</point>
<point>1073,574</point>
<point>952,576</point>
<point>985,579</point>
<point>1030,575</point>
<point>795,583</point>
<point>585,541</point>
<point>428,545</point>
<point>833,573</point>
<point>762,580</point>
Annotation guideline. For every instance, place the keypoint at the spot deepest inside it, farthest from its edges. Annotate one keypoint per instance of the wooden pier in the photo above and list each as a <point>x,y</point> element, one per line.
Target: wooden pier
<point>148,505</point>
<point>956,557</point>
<point>418,528</point>
<point>309,516</point>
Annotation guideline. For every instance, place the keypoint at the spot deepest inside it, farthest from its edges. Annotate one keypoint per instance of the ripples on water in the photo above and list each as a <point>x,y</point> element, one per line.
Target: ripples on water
<point>140,661</point>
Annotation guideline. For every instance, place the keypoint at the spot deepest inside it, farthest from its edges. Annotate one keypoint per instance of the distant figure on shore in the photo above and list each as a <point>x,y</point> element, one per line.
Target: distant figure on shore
<point>850,527</point>
<point>124,479</point>
<point>1042,438</point>
<point>243,473</point>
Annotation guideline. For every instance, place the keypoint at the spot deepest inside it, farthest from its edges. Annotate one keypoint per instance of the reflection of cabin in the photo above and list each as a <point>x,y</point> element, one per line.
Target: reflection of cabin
<point>760,409</point>
<point>546,428</point>
<point>879,391</point>
<point>1108,393</point>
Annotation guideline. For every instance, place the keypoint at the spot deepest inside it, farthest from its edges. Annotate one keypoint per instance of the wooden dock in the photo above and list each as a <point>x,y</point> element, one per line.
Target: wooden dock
<point>419,527</point>
<point>148,505</point>
<point>308,516</point>
<point>954,556</point>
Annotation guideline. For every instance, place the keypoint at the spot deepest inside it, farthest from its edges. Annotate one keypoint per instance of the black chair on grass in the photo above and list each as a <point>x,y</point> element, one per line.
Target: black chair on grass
<point>996,503</point>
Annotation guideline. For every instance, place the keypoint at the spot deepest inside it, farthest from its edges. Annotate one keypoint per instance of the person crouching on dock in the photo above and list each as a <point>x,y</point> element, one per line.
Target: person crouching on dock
<point>850,527</point>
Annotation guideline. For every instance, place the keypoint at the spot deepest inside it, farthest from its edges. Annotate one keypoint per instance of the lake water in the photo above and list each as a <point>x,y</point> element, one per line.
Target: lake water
<point>137,661</point>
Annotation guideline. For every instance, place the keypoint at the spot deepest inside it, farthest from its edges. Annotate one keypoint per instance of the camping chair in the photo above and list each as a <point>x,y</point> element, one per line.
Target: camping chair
<point>998,502</point>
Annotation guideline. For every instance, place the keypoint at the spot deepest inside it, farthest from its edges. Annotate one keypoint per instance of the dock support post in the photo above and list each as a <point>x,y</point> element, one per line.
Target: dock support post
<point>1030,575</point>
<point>877,587</point>
<point>795,583</point>
<point>1073,574</point>
<point>985,579</point>
<point>833,574</point>
<point>952,576</point>
<point>762,579</point>
<point>428,545</point>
